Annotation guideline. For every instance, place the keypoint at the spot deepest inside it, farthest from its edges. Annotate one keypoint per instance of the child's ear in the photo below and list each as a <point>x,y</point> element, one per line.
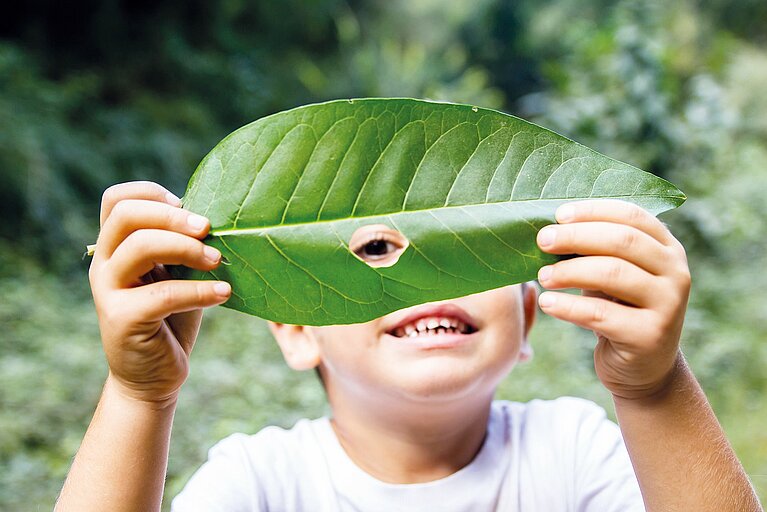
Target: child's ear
<point>530,306</point>
<point>298,345</point>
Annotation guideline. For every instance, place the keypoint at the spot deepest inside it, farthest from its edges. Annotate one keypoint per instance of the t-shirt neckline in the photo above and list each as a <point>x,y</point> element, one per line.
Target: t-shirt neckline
<point>354,484</point>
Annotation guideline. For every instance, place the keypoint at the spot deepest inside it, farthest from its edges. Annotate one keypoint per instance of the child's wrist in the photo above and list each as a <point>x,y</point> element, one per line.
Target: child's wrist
<point>115,390</point>
<point>658,393</point>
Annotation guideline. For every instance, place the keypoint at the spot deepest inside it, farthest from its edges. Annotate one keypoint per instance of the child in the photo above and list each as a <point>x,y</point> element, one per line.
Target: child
<point>414,424</point>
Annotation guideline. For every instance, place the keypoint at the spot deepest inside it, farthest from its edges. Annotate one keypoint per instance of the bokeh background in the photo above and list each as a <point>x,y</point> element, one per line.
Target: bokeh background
<point>97,92</point>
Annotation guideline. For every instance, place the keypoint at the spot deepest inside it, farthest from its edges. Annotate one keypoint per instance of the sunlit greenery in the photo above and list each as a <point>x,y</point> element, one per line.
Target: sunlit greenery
<point>115,93</point>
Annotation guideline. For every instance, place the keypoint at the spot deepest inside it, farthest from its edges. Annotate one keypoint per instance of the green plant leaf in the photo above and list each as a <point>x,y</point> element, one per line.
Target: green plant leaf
<point>468,187</point>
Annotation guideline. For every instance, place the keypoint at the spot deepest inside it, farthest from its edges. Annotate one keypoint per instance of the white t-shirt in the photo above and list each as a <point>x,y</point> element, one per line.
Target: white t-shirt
<point>549,456</point>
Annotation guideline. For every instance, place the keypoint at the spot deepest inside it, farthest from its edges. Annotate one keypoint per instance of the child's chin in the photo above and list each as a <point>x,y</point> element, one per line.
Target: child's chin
<point>439,384</point>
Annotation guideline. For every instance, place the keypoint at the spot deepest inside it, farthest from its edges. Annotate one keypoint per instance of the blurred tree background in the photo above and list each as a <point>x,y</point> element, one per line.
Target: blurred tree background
<point>97,92</point>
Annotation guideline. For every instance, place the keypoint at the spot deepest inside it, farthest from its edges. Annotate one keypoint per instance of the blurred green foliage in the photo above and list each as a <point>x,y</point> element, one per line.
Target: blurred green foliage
<point>103,92</point>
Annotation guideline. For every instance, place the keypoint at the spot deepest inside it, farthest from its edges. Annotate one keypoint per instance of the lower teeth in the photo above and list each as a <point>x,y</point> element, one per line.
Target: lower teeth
<point>433,332</point>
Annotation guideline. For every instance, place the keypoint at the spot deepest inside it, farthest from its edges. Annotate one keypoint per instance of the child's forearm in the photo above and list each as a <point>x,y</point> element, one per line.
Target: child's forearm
<point>680,454</point>
<point>122,461</point>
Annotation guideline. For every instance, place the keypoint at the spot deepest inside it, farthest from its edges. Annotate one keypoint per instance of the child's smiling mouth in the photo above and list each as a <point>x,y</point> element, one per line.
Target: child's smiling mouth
<point>432,326</point>
<point>434,321</point>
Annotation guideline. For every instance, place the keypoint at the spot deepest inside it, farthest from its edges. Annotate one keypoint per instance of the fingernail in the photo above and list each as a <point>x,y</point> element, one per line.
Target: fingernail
<point>546,300</point>
<point>212,253</point>
<point>565,213</point>
<point>197,221</point>
<point>546,236</point>
<point>222,288</point>
<point>172,199</point>
<point>544,274</point>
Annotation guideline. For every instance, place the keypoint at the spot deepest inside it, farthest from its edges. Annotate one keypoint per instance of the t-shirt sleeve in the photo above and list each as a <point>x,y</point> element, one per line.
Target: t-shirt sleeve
<point>604,477</point>
<point>223,483</point>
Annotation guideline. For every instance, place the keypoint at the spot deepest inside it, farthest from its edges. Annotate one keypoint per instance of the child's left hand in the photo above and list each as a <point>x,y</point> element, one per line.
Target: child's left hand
<point>636,284</point>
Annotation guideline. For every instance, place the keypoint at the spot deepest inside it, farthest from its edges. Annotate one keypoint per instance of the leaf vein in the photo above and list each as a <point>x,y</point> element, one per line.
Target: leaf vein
<point>303,173</point>
<point>466,163</point>
<point>462,242</point>
<point>315,278</point>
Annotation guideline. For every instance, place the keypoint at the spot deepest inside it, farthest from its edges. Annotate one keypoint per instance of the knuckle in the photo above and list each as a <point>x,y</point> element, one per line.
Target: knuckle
<point>684,277</point>
<point>110,194</point>
<point>666,230</point>
<point>627,240</point>
<point>613,272</point>
<point>98,277</point>
<point>182,246</point>
<point>679,270</point>
<point>571,309</point>
<point>598,312</point>
<point>585,209</point>
<point>151,190</point>
<point>166,295</point>
<point>122,210</point>
<point>150,186</point>
<point>203,292</point>
<point>134,241</point>
<point>140,241</point>
<point>636,214</point>
<point>564,235</point>
<point>171,217</point>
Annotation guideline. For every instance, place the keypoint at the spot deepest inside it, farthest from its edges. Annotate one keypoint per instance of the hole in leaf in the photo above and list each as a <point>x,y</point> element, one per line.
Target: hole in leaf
<point>378,245</point>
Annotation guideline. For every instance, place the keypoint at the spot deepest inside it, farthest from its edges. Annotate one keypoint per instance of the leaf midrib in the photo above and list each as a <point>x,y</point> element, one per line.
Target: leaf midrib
<point>245,231</point>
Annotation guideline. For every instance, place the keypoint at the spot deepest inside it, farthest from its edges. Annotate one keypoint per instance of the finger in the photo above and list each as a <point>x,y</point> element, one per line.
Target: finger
<point>602,316</point>
<point>135,190</point>
<point>612,276</point>
<point>130,215</point>
<point>184,325</point>
<point>160,300</point>
<point>606,239</point>
<point>142,250</point>
<point>614,210</point>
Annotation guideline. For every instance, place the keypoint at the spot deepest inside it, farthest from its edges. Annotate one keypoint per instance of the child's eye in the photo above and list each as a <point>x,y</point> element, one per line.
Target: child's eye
<point>377,245</point>
<point>375,249</point>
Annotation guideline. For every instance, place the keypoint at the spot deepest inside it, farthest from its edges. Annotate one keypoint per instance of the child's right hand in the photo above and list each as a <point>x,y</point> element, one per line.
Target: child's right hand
<point>148,321</point>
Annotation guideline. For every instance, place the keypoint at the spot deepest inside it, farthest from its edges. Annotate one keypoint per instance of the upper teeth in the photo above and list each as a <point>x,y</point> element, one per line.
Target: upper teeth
<point>431,326</point>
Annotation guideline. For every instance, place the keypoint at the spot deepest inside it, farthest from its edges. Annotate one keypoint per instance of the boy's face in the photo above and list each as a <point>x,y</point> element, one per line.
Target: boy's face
<point>441,350</point>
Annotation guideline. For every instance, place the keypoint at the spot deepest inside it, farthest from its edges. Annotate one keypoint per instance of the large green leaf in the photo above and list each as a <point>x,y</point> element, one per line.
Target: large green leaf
<point>468,187</point>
